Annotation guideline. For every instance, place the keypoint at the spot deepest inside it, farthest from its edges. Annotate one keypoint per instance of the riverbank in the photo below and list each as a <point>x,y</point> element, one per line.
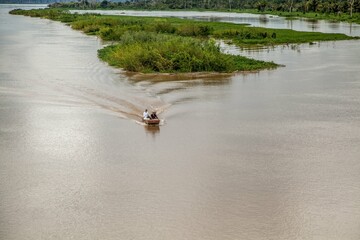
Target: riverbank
<point>186,45</point>
<point>335,17</point>
<point>325,12</point>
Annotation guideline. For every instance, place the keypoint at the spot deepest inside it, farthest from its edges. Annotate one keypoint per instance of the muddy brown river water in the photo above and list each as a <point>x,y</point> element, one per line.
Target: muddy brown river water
<point>268,155</point>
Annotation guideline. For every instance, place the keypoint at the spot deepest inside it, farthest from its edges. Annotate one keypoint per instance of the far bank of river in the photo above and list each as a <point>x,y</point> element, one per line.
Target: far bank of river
<point>266,20</point>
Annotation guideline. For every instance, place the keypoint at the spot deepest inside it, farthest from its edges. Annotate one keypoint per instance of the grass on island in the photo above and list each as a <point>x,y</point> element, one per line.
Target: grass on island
<point>336,17</point>
<point>151,52</point>
<point>153,44</point>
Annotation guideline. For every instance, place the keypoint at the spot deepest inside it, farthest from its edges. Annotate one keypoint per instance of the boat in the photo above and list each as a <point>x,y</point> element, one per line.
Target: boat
<point>151,122</point>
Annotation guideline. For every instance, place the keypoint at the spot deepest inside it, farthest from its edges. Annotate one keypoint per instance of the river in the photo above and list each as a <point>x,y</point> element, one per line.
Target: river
<point>267,155</point>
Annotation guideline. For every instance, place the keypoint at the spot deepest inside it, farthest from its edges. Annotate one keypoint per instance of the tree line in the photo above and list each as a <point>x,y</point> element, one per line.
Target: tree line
<point>322,6</point>
<point>304,6</point>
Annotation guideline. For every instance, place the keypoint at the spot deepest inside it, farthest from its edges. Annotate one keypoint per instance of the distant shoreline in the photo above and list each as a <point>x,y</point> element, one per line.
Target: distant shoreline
<point>319,10</point>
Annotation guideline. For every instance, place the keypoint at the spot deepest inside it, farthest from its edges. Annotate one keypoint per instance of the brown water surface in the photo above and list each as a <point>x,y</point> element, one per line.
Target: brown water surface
<point>268,155</point>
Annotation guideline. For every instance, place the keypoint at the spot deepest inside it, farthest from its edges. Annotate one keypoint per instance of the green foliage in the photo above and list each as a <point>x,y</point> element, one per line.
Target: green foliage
<point>164,27</point>
<point>245,33</point>
<point>53,14</point>
<point>339,10</point>
<point>194,30</point>
<point>141,52</point>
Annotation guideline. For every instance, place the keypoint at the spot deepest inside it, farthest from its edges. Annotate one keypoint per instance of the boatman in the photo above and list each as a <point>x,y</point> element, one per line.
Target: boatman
<point>146,114</point>
<point>153,115</point>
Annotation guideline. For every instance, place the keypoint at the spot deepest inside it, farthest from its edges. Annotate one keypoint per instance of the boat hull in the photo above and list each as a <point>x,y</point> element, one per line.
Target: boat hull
<point>152,122</point>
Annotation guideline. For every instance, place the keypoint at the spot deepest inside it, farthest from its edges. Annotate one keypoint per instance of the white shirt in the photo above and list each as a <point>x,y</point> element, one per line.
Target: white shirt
<point>146,115</point>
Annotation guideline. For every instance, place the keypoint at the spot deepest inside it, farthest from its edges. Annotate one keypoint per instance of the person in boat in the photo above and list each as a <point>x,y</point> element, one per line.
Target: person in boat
<point>153,115</point>
<point>146,114</point>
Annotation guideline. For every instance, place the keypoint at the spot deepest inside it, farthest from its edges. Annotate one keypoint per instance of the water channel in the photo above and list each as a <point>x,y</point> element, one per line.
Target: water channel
<point>267,155</point>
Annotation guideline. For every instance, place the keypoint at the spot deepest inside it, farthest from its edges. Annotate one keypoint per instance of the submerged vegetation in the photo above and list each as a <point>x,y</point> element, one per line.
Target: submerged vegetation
<point>149,44</point>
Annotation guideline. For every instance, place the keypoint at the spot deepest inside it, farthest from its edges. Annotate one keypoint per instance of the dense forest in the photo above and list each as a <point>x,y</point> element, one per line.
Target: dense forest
<point>26,1</point>
<point>261,5</point>
<point>317,6</point>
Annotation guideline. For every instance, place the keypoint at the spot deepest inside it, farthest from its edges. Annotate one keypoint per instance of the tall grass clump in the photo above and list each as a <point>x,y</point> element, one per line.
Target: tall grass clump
<point>150,52</point>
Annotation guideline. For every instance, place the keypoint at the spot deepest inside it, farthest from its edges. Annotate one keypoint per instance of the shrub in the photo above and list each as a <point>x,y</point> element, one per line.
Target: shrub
<point>191,30</point>
<point>164,27</point>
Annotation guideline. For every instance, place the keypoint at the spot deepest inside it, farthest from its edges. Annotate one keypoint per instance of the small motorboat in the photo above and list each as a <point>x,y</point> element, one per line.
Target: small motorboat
<point>151,122</point>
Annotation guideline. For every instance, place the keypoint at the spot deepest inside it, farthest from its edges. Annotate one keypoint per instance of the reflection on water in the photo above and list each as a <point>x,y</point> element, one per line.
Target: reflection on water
<point>309,20</point>
<point>336,25</point>
<point>263,19</point>
<point>266,155</point>
<point>152,130</point>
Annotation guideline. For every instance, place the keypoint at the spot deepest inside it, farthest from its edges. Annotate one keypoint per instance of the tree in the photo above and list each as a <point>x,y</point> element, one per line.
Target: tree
<point>351,6</point>
<point>290,4</point>
<point>261,5</point>
<point>104,4</point>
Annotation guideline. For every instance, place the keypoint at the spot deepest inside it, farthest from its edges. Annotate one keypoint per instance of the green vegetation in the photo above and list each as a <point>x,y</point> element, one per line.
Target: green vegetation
<point>141,52</point>
<point>148,44</point>
<point>336,17</point>
<point>336,10</point>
